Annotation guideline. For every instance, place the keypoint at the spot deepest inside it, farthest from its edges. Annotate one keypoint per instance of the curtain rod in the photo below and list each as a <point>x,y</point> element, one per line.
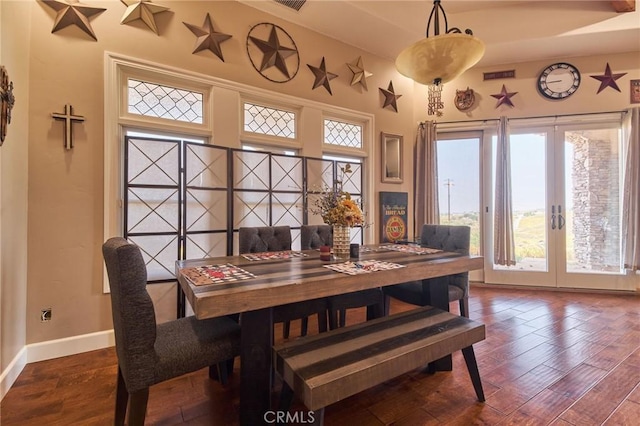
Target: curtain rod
<point>529,118</point>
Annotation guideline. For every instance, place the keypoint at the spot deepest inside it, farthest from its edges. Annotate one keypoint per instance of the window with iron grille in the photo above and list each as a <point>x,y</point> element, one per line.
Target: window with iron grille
<point>342,134</point>
<point>270,121</point>
<point>171,103</point>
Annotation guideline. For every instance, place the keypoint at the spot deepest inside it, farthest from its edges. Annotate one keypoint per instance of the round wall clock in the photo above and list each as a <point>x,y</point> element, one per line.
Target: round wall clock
<point>559,81</point>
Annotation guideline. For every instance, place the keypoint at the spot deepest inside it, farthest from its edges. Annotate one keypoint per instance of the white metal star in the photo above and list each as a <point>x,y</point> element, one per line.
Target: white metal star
<point>143,10</point>
<point>360,75</point>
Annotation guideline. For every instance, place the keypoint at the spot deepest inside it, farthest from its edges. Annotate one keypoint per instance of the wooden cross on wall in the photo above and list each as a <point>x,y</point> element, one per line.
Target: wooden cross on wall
<point>68,118</point>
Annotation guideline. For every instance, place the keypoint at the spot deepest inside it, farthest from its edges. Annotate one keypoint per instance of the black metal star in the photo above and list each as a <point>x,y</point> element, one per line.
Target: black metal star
<point>322,76</point>
<point>73,13</point>
<point>360,75</point>
<point>504,97</point>
<point>143,10</point>
<point>208,38</point>
<point>390,98</point>
<point>274,54</point>
<point>608,79</point>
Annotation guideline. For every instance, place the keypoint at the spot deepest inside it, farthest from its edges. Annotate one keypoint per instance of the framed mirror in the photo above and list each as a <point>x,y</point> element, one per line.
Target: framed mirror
<point>391,154</point>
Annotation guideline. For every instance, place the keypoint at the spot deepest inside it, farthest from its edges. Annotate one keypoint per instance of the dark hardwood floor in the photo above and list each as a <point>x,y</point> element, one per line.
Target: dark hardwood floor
<point>560,358</point>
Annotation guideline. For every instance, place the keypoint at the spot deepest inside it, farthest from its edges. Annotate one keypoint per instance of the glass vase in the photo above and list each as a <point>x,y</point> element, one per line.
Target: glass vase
<point>341,241</point>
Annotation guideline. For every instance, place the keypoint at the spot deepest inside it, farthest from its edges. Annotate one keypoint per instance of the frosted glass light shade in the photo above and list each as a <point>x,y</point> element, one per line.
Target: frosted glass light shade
<point>443,57</point>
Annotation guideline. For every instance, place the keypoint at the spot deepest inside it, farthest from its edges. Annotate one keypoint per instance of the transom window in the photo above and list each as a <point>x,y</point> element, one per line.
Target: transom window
<point>155,100</point>
<point>342,134</point>
<point>269,121</point>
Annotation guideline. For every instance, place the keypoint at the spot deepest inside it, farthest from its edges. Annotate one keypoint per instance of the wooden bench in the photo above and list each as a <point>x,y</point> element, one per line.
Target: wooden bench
<point>328,367</point>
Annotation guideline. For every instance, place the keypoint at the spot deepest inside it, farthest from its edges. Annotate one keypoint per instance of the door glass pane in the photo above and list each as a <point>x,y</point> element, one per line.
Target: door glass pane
<point>528,193</point>
<point>592,200</point>
<point>459,185</point>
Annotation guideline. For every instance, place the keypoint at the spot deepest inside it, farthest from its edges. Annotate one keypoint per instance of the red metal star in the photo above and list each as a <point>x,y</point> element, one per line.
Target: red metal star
<point>504,97</point>
<point>608,79</point>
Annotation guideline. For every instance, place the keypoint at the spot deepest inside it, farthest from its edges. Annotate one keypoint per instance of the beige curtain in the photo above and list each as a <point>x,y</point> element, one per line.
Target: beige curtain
<point>425,181</point>
<point>631,193</point>
<point>503,243</point>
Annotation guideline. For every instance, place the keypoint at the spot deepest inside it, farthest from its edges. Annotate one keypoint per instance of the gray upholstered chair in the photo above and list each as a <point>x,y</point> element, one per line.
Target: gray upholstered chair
<point>314,236</point>
<point>450,238</point>
<point>276,238</point>
<point>150,353</point>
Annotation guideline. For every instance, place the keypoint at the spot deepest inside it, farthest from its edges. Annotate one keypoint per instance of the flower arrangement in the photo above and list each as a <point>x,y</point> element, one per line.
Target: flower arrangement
<point>337,208</point>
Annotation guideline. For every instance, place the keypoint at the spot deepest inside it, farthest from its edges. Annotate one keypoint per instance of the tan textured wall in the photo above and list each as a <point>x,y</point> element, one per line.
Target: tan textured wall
<point>528,102</point>
<point>66,196</point>
<point>14,54</point>
<point>65,188</point>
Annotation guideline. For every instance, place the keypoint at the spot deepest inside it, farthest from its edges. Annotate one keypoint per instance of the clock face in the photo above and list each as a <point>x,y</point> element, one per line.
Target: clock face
<point>559,81</point>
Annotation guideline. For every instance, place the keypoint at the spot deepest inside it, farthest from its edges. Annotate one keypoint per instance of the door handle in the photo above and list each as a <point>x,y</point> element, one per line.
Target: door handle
<point>560,218</point>
<point>553,217</point>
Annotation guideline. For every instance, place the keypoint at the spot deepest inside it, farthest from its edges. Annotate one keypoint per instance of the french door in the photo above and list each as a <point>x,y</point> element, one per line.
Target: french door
<point>566,184</point>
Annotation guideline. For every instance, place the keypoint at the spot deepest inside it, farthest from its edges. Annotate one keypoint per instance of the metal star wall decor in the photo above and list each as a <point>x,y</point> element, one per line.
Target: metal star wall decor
<point>142,10</point>
<point>390,97</point>
<point>322,76</point>
<point>504,97</point>
<point>360,75</point>
<point>208,38</point>
<point>73,13</point>
<point>273,52</point>
<point>608,79</point>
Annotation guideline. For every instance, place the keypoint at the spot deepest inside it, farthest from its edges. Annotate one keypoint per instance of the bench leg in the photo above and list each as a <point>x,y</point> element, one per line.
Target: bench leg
<point>286,397</point>
<point>472,366</point>
<point>318,417</point>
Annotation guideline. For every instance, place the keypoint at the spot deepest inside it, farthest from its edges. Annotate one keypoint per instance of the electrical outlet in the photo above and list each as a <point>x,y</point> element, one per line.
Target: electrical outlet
<point>45,315</point>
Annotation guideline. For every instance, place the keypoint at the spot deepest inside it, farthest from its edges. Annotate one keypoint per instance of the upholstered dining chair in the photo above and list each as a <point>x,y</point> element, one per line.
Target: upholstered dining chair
<point>276,238</point>
<point>451,238</point>
<point>149,353</point>
<point>314,236</point>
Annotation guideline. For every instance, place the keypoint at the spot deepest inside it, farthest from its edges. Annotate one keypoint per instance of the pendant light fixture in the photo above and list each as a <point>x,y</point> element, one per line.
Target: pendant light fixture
<point>439,58</point>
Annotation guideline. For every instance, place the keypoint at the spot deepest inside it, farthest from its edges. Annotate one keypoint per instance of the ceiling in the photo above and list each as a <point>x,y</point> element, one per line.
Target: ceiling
<point>513,31</point>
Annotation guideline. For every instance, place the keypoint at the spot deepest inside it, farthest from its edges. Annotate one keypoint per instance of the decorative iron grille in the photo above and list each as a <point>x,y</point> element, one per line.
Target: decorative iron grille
<point>188,200</point>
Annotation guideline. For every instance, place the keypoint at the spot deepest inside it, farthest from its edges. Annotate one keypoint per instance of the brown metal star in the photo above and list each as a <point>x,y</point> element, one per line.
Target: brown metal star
<point>322,76</point>
<point>274,54</point>
<point>608,79</point>
<point>73,13</point>
<point>504,97</point>
<point>390,98</point>
<point>360,75</point>
<point>208,38</point>
<point>143,10</point>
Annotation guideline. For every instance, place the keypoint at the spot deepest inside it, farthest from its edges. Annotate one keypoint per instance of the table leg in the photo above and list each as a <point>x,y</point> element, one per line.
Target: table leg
<point>439,296</point>
<point>255,365</point>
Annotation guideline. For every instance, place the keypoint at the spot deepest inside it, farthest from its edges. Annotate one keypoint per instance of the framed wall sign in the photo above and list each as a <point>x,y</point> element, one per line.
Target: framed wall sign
<point>391,154</point>
<point>393,216</point>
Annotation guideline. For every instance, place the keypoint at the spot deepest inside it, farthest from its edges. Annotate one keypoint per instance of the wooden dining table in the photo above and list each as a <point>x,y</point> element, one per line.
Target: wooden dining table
<point>288,280</point>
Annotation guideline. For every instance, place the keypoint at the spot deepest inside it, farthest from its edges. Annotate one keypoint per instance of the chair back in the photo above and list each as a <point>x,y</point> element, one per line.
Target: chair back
<point>134,320</point>
<point>314,236</point>
<point>264,238</point>
<point>452,238</point>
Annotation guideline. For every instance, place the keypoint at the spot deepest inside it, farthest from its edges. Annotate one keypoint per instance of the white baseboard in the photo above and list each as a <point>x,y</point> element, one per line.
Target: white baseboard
<point>53,349</point>
<point>13,370</point>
